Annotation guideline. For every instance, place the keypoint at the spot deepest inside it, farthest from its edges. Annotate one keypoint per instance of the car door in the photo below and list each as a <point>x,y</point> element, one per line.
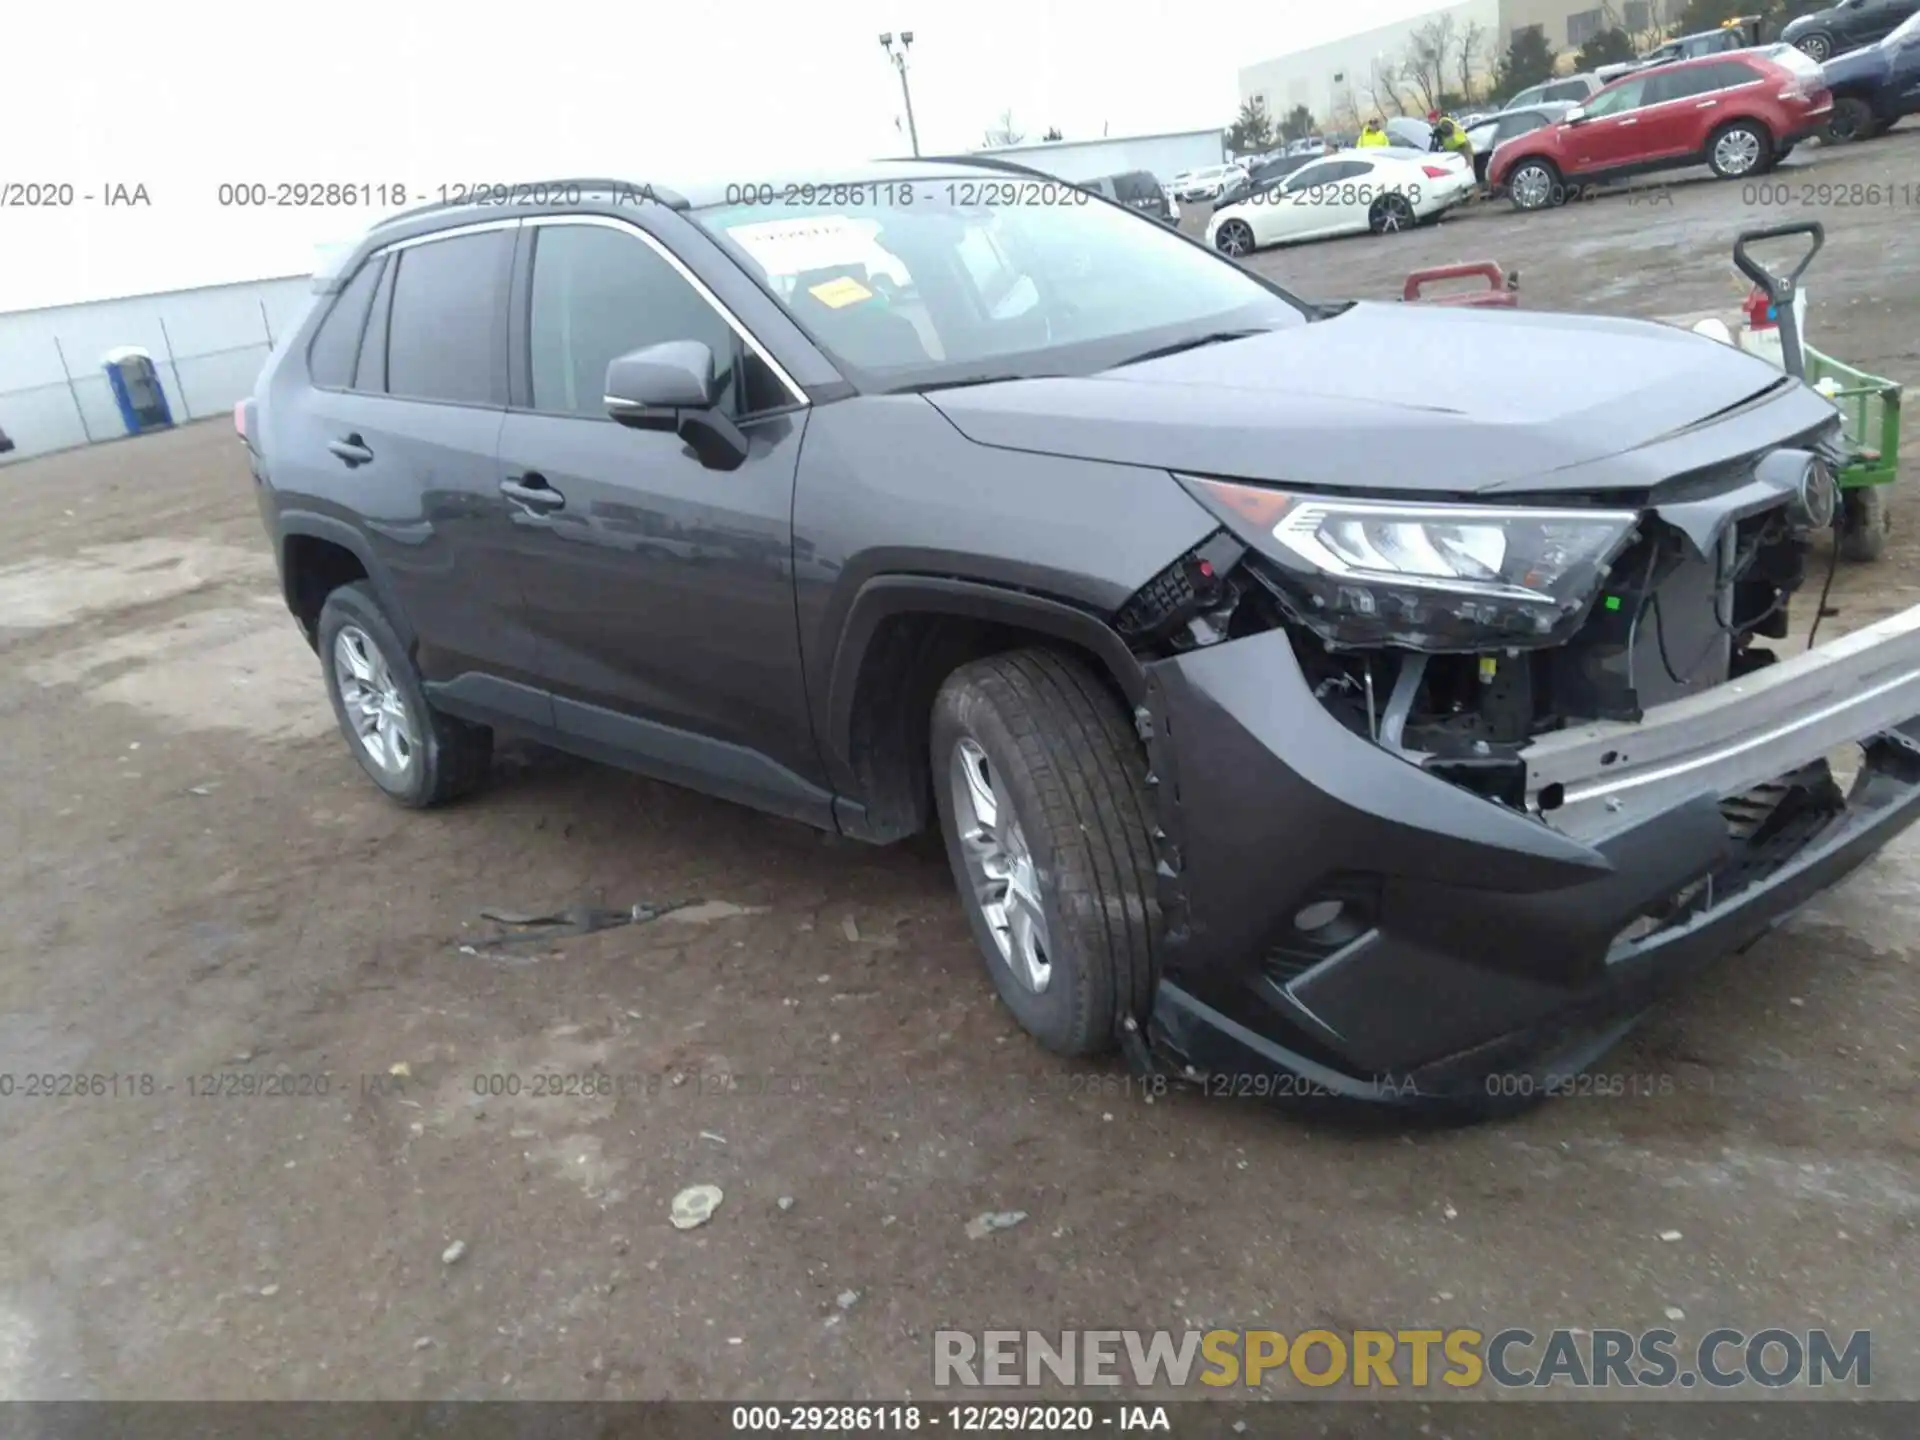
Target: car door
<point>660,591</point>
<point>1883,17</point>
<point>1673,117</point>
<point>1311,205</point>
<point>1608,137</point>
<point>1905,77</point>
<point>407,396</point>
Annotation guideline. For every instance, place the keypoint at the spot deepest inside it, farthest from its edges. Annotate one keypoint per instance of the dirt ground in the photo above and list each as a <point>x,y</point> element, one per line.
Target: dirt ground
<point>201,891</point>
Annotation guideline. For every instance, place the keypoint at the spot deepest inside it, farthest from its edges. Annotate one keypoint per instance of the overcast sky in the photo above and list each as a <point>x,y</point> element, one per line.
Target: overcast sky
<point>427,92</point>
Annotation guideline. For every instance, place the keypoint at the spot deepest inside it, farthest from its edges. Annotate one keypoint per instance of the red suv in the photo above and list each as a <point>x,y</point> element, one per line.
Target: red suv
<point>1738,113</point>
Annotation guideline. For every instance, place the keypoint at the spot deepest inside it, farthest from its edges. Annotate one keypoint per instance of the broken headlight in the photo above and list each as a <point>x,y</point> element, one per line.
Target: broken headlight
<point>1427,576</point>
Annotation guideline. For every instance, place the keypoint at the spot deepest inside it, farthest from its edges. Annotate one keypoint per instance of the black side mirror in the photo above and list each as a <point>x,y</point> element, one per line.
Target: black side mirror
<point>672,386</point>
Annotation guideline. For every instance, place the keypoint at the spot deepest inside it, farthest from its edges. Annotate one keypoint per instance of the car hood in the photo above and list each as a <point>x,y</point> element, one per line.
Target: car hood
<point>1388,396</point>
<point>1872,63</point>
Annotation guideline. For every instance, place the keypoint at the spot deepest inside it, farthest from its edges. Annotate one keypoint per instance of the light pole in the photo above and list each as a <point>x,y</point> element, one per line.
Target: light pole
<point>899,59</point>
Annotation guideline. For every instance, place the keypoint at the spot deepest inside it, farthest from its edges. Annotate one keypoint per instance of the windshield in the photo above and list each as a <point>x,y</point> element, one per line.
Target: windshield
<point>917,283</point>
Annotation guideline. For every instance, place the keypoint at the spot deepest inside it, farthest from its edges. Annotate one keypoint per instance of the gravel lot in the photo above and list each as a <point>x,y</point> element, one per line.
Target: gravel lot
<point>199,884</point>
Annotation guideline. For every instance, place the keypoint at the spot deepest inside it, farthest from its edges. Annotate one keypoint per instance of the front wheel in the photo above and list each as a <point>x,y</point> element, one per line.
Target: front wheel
<point>1740,149</point>
<point>1041,788</point>
<point>1816,47</point>
<point>1534,185</point>
<point>1390,215</point>
<point>1234,238</point>
<point>1852,120</point>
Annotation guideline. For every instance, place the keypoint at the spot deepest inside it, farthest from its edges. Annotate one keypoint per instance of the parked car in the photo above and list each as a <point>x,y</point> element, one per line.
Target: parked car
<point>1573,88</point>
<point>1262,177</point>
<point>1205,183</point>
<point>1349,193</point>
<point>1848,26</point>
<point>1318,770</point>
<point>1138,190</point>
<point>1873,88</point>
<point>1490,131</point>
<point>6,442</point>
<point>1737,34</point>
<point>1738,114</point>
<point>1310,145</point>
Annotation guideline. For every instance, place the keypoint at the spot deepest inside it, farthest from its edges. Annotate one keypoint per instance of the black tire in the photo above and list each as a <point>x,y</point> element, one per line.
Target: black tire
<point>1060,751</point>
<point>1761,138</point>
<point>1240,246</point>
<point>1528,197</point>
<point>1817,46</point>
<point>1852,120</point>
<point>1864,524</point>
<point>1391,214</point>
<point>448,757</point>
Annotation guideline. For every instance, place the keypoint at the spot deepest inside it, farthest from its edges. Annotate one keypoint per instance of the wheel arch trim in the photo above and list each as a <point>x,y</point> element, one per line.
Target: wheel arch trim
<point>336,531</point>
<point>885,596</point>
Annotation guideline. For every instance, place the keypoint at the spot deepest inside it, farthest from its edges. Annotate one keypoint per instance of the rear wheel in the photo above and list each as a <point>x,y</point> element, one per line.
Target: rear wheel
<point>1391,214</point>
<point>1534,185</point>
<point>1740,149</point>
<point>418,756</point>
<point>1852,120</point>
<point>1234,238</point>
<point>1040,783</point>
<point>1864,524</point>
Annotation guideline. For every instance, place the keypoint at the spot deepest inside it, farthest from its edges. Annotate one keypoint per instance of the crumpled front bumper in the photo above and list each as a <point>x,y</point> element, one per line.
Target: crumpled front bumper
<point>1478,939</point>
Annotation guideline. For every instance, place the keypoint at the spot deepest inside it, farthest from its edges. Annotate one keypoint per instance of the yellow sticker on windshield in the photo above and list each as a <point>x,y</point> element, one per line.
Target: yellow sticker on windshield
<point>837,293</point>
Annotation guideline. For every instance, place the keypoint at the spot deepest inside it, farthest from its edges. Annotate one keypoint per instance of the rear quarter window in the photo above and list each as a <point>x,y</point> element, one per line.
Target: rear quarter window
<point>336,344</point>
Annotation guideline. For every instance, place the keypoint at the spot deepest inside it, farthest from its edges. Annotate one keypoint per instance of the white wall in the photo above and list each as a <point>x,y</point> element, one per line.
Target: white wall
<point>1310,77</point>
<point>1161,155</point>
<point>218,338</point>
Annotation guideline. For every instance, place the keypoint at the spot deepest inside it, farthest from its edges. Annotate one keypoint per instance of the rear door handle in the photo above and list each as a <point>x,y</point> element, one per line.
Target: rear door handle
<point>352,449</point>
<point>533,492</point>
<point>1706,104</point>
<point>1630,120</point>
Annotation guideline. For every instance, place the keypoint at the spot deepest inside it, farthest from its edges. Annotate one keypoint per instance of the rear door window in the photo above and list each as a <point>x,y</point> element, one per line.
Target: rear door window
<point>1566,90</point>
<point>336,344</point>
<point>446,335</point>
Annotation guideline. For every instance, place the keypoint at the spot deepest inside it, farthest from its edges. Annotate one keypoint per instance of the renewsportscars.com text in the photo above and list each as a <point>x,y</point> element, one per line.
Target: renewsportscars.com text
<point>1512,1358</point>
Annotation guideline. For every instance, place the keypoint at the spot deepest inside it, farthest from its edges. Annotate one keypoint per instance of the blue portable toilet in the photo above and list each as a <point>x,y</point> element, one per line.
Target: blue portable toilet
<point>136,389</point>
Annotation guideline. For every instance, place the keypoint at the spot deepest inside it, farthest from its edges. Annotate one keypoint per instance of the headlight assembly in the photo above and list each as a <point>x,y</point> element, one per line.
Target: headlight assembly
<point>1433,577</point>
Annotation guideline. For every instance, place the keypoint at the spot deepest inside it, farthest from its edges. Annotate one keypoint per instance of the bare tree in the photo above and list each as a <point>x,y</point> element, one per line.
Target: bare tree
<point>1469,54</point>
<point>1425,62</point>
<point>1005,132</point>
<point>1383,87</point>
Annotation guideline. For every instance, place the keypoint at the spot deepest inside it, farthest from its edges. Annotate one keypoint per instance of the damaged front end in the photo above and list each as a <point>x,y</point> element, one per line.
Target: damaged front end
<point>1454,788</point>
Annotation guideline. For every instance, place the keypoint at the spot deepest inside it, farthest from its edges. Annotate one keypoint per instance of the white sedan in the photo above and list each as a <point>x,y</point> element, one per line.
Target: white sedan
<point>1347,193</point>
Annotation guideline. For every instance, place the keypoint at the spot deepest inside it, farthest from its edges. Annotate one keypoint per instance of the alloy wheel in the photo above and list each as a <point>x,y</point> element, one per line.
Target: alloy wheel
<point>1234,239</point>
<point>1394,216</point>
<point>1532,187</point>
<point>1000,866</point>
<point>1737,151</point>
<point>382,724</point>
<point>1816,47</point>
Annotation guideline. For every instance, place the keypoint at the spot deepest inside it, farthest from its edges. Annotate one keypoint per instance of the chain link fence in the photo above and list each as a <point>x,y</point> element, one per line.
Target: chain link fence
<point>207,350</point>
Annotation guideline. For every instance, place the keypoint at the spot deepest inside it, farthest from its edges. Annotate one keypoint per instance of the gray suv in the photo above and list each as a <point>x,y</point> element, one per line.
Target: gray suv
<point>1279,721</point>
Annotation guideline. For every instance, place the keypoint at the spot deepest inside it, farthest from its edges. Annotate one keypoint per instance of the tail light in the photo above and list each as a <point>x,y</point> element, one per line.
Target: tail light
<point>240,419</point>
<point>1435,172</point>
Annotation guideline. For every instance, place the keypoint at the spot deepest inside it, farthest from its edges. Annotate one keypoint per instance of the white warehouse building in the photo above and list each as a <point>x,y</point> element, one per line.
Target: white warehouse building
<point>207,346</point>
<point>1162,156</point>
<point>1345,81</point>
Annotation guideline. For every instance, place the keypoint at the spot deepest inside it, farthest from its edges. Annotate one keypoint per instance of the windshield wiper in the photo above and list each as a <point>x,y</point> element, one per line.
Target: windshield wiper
<point>1212,337</point>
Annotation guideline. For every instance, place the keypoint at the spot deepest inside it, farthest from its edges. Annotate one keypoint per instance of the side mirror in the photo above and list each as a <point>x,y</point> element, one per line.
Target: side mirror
<point>672,387</point>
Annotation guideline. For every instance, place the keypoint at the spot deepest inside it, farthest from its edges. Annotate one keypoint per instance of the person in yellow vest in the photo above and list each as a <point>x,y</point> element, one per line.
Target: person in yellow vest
<point>1374,134</point>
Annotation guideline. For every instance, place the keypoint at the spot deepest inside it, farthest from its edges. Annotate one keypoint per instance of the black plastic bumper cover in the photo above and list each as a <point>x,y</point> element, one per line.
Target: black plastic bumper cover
<point>1495,943</point>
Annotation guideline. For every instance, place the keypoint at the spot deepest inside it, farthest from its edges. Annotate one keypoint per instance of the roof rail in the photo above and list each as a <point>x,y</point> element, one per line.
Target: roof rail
<point>504,192</point>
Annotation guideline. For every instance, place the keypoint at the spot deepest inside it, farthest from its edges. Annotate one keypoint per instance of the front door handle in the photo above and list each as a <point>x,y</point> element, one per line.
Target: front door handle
<point>533,492</point>
<point>352,449</point>
<point>1630,120</point>
<point>1706,104</point>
